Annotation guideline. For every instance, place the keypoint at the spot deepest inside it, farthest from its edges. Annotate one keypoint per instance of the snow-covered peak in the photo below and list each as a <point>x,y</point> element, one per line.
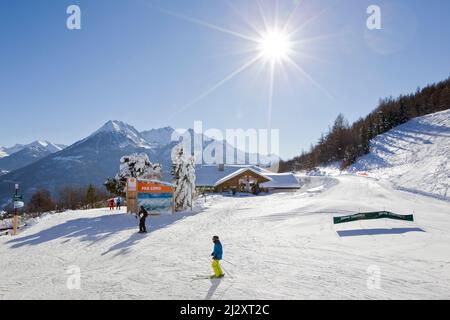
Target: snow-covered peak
<point>161,136</point>
<point>44,144</point>
<point>14,149</point>
<point>116,126</point>
<point>124,129</point>
<point>38,145</point>
<point>3,153</point>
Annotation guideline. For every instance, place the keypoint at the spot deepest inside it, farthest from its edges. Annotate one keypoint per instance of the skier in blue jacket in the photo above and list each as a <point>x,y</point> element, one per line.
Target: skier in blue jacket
<point>216,257</point>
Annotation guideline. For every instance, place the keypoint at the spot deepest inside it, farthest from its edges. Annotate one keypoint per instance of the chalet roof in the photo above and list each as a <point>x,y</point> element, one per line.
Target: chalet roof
<point>209,175</point>
<point>240,171</point>
<point>281,181</point>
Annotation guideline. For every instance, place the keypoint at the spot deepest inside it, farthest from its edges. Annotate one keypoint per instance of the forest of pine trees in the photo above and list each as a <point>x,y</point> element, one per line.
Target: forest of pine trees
<point>344,143</point>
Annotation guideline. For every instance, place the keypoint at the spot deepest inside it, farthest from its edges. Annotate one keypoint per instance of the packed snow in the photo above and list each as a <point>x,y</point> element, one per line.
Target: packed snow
<point>415,156</point>
<point>276,246</point>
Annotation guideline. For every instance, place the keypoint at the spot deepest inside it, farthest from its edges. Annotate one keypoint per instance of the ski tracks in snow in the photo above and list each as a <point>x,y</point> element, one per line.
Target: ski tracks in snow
<point>277,246</point>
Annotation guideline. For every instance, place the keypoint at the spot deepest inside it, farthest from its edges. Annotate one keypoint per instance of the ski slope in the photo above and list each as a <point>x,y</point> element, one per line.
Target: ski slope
<point>278,246</point>
<point>415,156</point>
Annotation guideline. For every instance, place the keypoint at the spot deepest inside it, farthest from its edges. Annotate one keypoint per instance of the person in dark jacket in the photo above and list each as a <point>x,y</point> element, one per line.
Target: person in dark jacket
<point>143,214</point>
<point>118,204</point>
<point>216,257</point>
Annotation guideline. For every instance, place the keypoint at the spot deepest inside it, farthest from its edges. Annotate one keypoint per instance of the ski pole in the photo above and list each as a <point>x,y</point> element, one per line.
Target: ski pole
<point>229,262</point>
<point>227,272</point>
<point>225,269</point>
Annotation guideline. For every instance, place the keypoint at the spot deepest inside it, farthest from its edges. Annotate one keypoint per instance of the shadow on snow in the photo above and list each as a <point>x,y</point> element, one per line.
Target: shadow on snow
<point>380,231</point>
<point>99,228</point>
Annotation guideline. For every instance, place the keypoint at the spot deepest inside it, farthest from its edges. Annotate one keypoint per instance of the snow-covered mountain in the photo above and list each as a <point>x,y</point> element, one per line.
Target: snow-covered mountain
<point>414,156</point>
<point>128,135</point>
<point>20,156</point>
<point>92,159</point>
<point>50,146</point>
<point>159,137</point>
<point>4,151</point>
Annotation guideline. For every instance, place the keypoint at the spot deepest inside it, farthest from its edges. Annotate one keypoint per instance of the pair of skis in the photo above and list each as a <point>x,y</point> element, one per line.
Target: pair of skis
<point>201,277</point>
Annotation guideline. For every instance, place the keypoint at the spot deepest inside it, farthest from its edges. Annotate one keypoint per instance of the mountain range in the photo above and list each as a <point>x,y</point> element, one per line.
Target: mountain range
<point>87,161</point>
<point>20,155</point>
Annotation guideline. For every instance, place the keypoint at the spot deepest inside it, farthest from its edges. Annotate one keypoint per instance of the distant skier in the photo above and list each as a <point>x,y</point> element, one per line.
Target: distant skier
<point>118,204</point>
<point>111,204</point>
<point>142,216</point>
<point>216,257</point>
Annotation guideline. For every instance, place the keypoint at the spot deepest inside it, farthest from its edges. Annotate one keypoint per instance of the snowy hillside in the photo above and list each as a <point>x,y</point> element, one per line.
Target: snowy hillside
<point>278,246</point>
<point>414,156</point>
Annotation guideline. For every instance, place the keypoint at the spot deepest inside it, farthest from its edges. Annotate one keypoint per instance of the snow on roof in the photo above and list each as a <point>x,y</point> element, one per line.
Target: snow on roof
<point>209,175</point>
<point>238,172</point>
<point>281,181</point>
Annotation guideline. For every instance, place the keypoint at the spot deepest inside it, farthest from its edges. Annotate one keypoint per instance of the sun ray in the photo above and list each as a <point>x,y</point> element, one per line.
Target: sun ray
<point>309,77</point>
<point>288,20</point>
<point>208,25</point>
<point>271,88</point>
<point>263,15</point>
<point>238,13</point>
<point>273,45</point>
<point>220,83</point>
<point>277,14</point>
<point>312,19</point>
<point>312,57</point>
<point>237,52</point>
<point>318,38</point>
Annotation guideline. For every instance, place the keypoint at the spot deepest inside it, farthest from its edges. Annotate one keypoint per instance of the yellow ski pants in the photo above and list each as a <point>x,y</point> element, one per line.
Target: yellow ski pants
<point>216,267</point>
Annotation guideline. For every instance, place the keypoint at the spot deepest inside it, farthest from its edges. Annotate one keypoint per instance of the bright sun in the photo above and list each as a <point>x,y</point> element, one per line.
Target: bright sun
<point>275,46</point>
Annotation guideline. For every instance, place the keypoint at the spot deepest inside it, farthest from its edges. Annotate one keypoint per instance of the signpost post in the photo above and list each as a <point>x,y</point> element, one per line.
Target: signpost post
<point>18,203</point>
<point>131,196</point>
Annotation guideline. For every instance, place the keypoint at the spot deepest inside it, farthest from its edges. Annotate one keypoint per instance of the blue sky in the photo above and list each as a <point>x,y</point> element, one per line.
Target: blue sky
<point>139,61</point>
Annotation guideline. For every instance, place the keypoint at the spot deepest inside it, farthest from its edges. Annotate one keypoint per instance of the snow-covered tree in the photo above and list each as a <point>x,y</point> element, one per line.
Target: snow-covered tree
<point>139,166</point>
<point>183,171</point>
<point>136,166</point>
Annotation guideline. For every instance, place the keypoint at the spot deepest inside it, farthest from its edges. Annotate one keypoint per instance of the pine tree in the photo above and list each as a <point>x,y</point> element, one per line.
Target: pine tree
<point>190,181</point>
<point>91,196</point>
<point>347,143</point>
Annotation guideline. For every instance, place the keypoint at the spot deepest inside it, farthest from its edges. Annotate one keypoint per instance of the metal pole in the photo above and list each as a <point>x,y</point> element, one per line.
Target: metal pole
<point>15,212</point>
